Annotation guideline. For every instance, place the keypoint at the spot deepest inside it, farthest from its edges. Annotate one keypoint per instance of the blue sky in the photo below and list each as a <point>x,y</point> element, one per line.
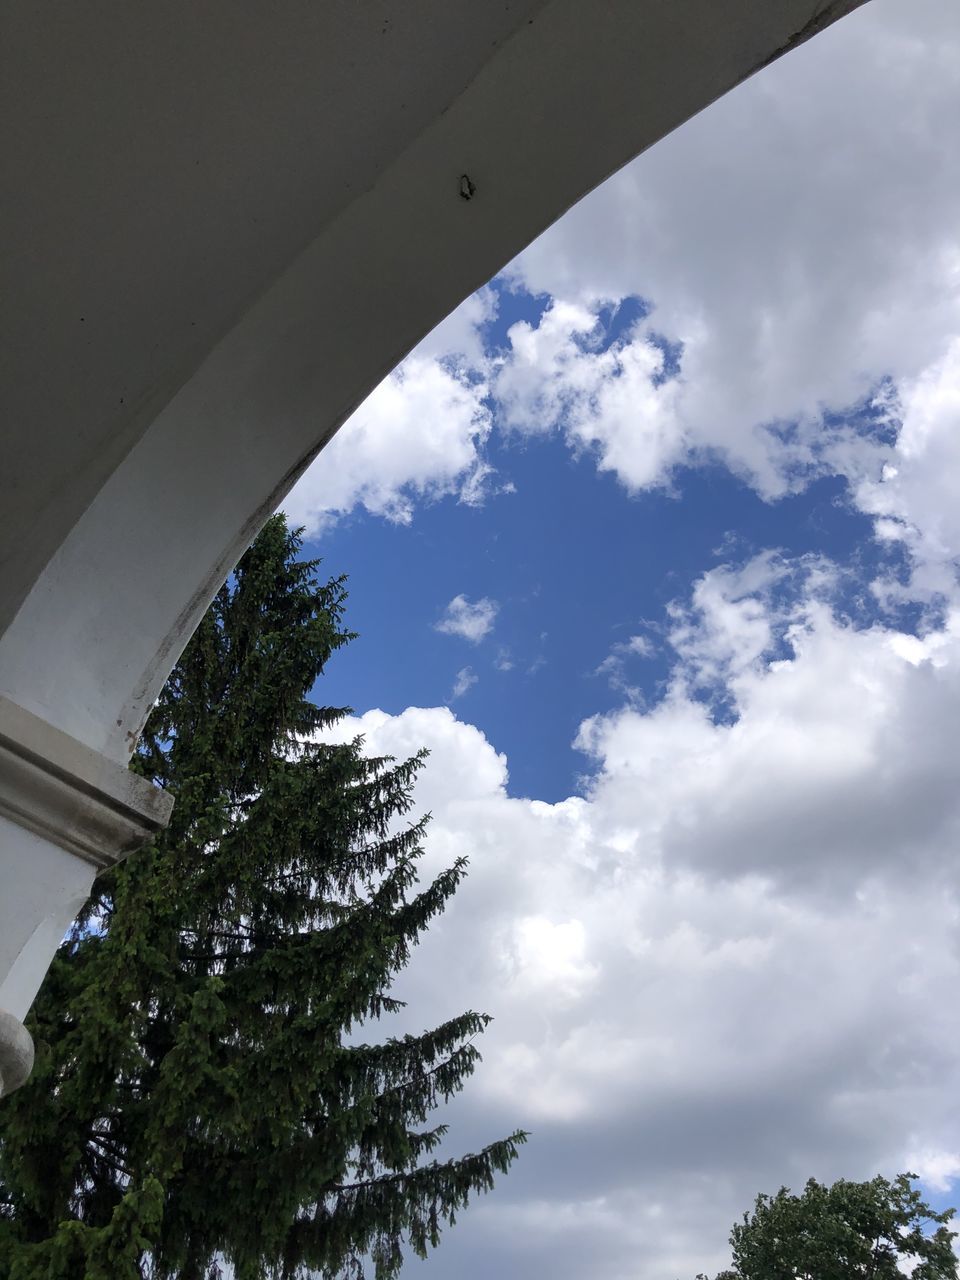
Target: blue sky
<point>576,565</point>
<point>654,543</point>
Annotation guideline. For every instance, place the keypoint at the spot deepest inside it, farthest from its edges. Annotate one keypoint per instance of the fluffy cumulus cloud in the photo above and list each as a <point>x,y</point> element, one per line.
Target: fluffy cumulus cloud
<point>419,436</point>
<point>470,620</point>
<point>463,682</point>
<point>807,781</point>
<point>615,402</point>
<point>730,962</point>
<point>614,666</point>
<point>799,239</point>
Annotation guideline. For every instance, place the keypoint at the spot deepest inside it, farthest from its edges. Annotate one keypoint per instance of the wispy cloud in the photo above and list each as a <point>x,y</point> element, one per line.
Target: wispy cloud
<point>614,665</point>
<point>465,680</point>
<point>470,621</point>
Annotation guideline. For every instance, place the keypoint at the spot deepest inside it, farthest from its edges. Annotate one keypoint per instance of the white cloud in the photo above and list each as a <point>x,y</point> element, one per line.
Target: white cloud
<point>613,402</point>
<point>728,965</point>
<point>916,499</point>
<point>799,239</point>
<point>465,679</point>
<point>733,621</point>
<point>639,647</point>
<point>417,437</point>
<point>547,956</point>
<point>938,1169</point>
<point>469,621</point>
<point>837,766</point>
<point>616,664</point>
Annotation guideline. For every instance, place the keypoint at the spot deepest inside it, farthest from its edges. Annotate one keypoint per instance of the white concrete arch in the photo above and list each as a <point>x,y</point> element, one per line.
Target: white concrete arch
<point>234,223</point>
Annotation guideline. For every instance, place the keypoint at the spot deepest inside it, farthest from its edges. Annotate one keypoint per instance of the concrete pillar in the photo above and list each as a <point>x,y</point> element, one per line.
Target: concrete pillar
<point>66,812</point>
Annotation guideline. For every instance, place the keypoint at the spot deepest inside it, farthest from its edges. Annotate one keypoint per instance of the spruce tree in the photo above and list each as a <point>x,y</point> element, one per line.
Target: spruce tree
<point>201,1099</point>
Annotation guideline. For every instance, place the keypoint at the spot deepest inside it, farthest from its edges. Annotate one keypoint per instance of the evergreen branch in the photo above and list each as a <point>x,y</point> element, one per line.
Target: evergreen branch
<point>108,1156</point>
<point>500,1149</point>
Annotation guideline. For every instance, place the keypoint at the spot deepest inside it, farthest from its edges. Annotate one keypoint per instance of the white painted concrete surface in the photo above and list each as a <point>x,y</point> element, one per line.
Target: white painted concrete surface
<point>66,812</point>
<point>48,886</point>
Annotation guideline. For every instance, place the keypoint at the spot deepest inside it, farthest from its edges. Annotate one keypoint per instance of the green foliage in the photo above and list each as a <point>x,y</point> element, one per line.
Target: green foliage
<point>848,1231</point>
<point>197,1094</point>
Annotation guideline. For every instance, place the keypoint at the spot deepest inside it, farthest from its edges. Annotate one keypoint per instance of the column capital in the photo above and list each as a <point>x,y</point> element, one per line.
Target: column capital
<point>63,790</point>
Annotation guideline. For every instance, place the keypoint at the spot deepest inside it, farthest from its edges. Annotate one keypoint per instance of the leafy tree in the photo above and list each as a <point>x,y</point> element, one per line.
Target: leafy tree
<point>197,1096</point>
<point>849,1231</point>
